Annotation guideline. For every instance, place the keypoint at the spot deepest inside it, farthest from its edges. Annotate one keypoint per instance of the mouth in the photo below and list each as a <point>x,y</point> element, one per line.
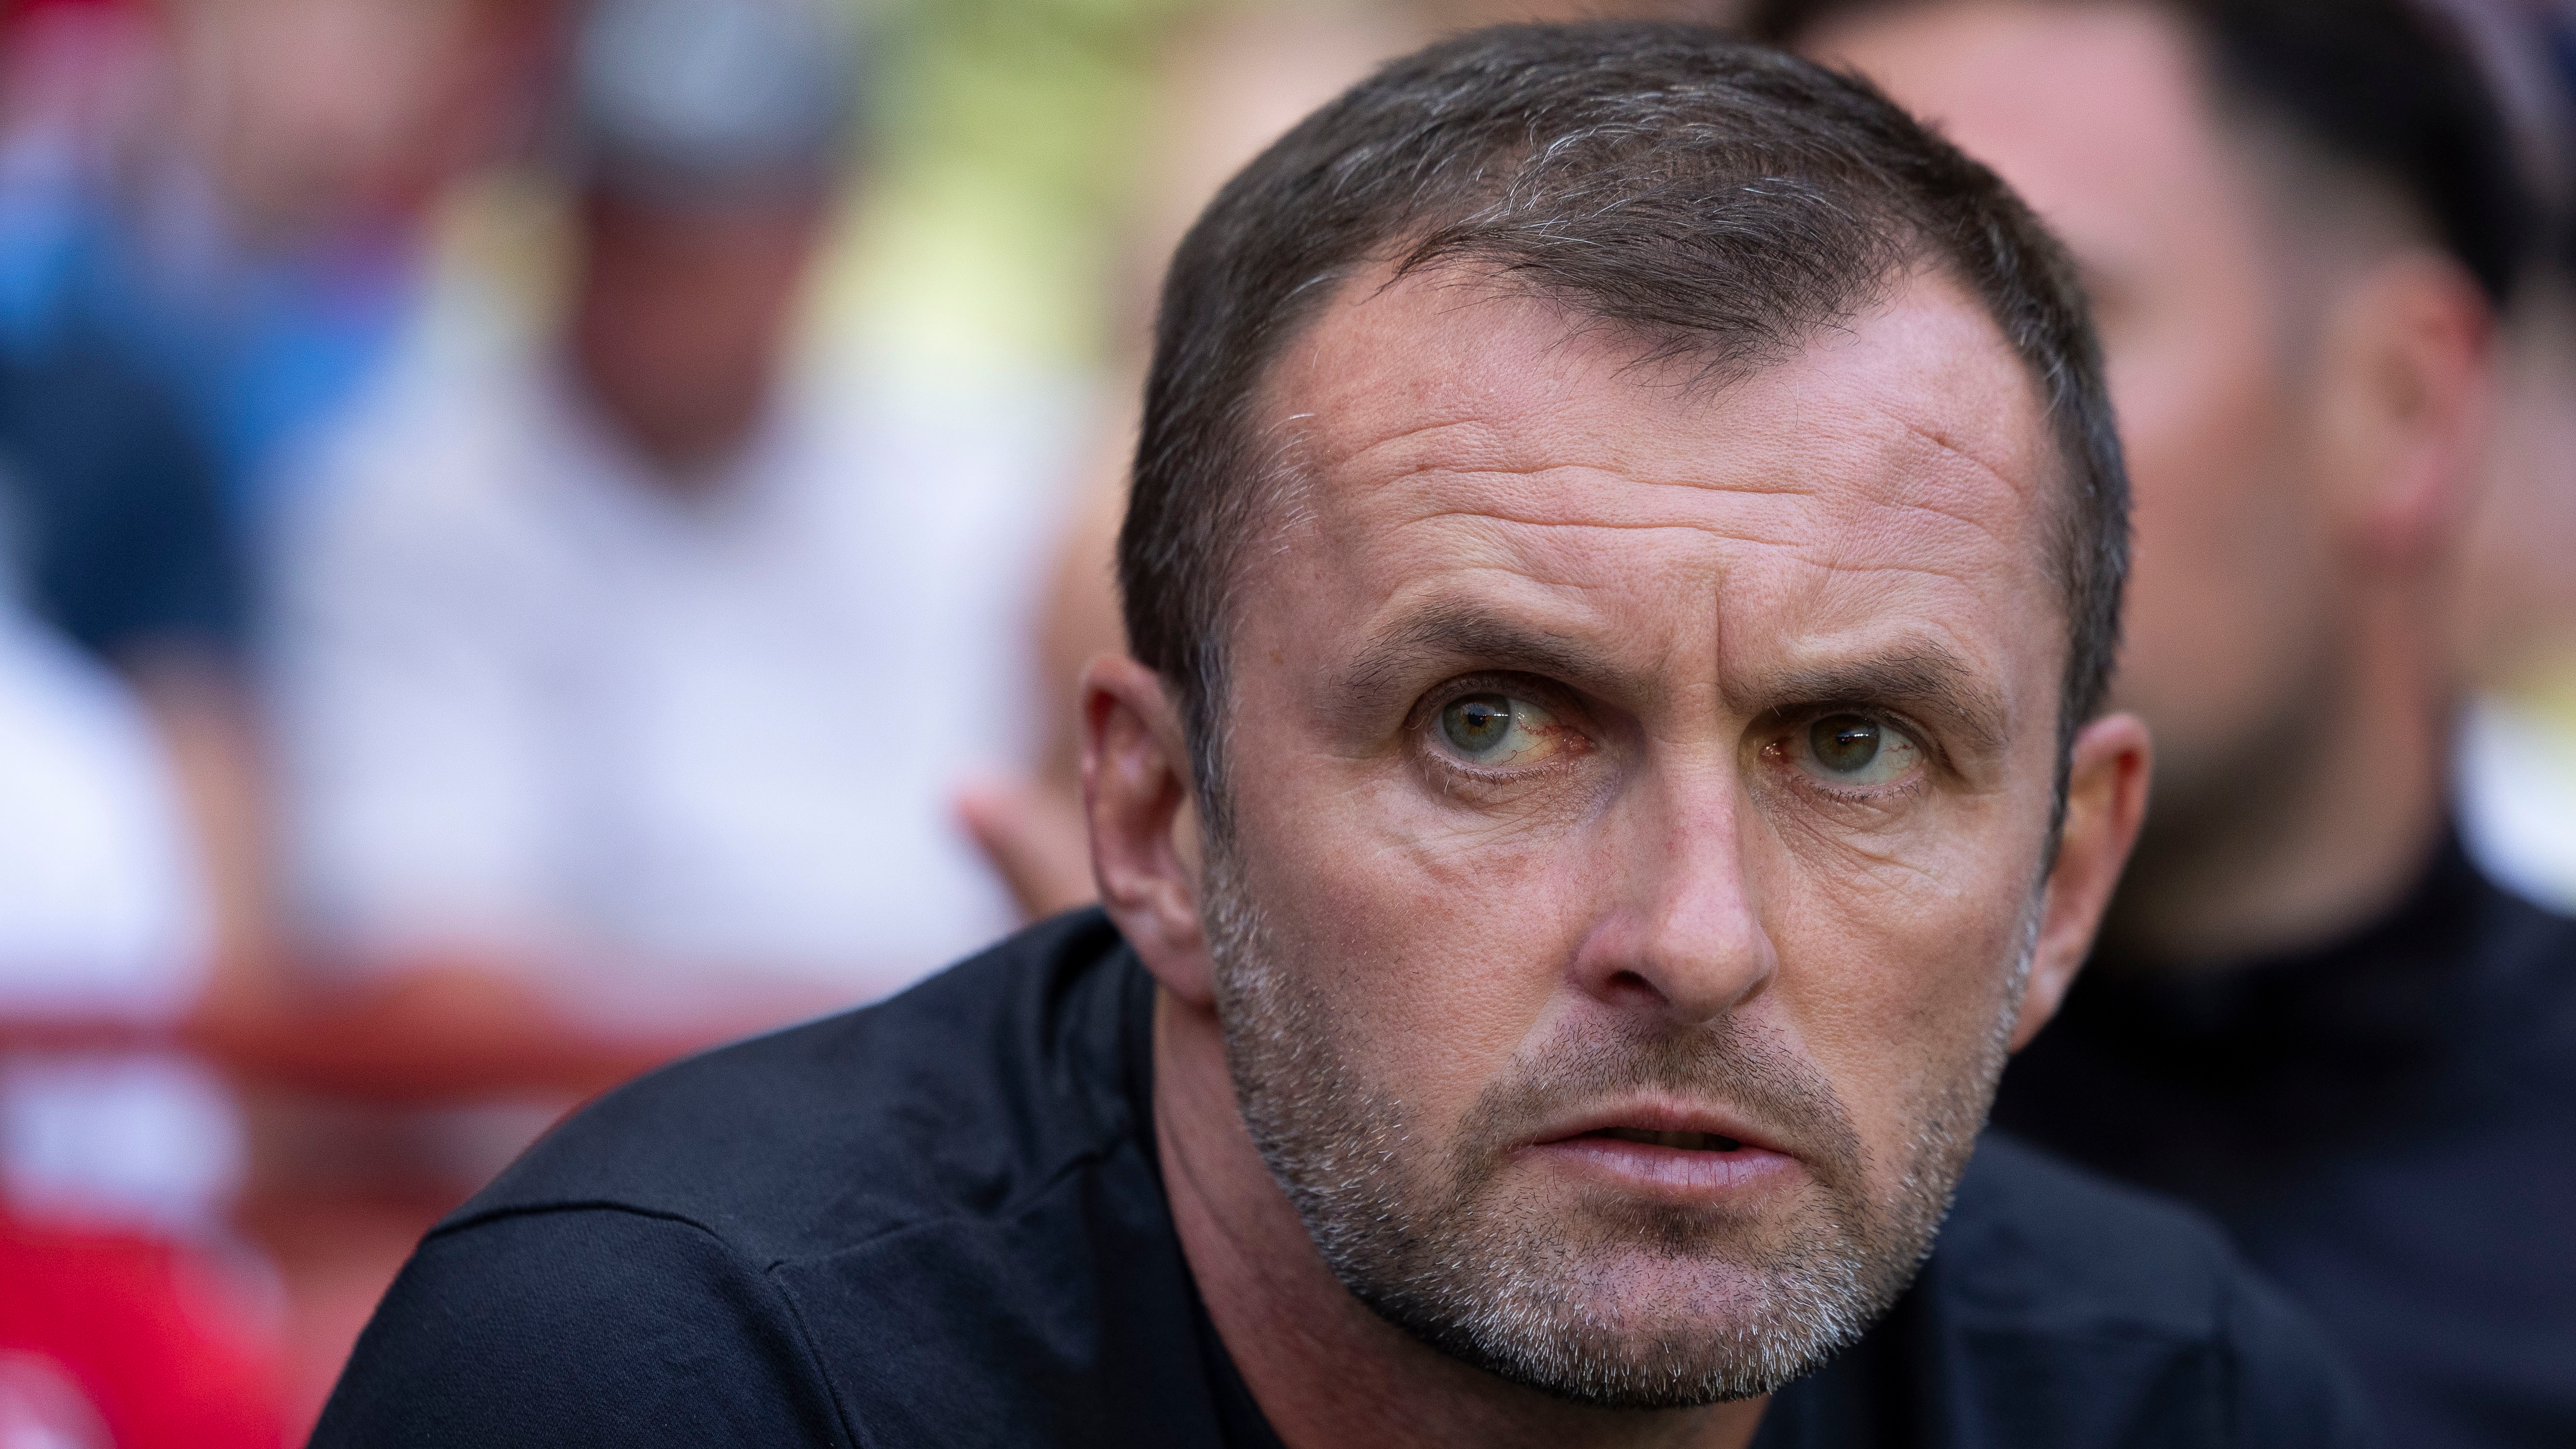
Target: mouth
<point>1684,1141</point>
<point>1669,1150</point>
<point>1656,1121</point>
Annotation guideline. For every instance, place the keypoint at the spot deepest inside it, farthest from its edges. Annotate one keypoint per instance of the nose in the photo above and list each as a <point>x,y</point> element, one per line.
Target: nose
<point>1682,935</point>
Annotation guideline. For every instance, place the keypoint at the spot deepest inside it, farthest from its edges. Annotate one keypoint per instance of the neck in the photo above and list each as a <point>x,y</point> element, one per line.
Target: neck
<point>1325,1370</point>
<point>686,455</point>
<point>2310,839</point>
<point>686,434</point>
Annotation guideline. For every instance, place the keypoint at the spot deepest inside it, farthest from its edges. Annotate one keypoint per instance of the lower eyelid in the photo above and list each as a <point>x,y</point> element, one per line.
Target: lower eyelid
<point>1559,746</point>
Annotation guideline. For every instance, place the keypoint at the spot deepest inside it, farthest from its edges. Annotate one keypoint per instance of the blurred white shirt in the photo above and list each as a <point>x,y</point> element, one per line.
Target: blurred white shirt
<point>102,911</point>
<point>103,922</point>
<point>668,747</point>
<point>2515,769</point>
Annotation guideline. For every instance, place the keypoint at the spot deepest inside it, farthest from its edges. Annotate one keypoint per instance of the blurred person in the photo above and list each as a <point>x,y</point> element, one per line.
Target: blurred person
<point>129,895</point>
<point>636,668</point>
<point>1625,554</point>
<point>576,634</point>
<point>2516,587</point>
<point>112,507</point>
<point>231,191</point>
<point>110,518</point>
<point>2516,755</point>
<point>102,935</point>
<point>125,1316</point>
<point>2311,1014</point>
<point>208,217</point>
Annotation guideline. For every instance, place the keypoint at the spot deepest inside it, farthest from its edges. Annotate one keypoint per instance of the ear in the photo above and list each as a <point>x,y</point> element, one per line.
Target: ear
<point>1137,801</point>
<point>2106,802</point>
<point>2405,376</point>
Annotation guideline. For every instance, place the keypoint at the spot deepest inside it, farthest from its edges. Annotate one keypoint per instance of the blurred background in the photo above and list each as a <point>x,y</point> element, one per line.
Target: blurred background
<point>539,536</point>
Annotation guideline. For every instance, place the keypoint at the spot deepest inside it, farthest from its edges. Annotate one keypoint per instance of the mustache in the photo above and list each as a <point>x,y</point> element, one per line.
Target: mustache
<point>1726,1061</point>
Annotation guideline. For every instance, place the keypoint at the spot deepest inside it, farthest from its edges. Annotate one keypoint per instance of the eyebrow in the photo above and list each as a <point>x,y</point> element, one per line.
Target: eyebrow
<point>1922,678</point>
<point>1452,632</point>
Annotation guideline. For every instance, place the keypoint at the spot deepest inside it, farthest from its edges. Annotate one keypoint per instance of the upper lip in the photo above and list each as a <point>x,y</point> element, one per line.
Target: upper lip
<point>1657,1114</point>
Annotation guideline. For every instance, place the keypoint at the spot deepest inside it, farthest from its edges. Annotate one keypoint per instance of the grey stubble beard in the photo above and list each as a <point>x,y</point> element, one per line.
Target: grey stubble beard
<point>1421,1232</point>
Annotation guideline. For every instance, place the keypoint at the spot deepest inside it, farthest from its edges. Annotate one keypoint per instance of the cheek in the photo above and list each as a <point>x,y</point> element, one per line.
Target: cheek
<point>1894,986</point>
<point>1440,953</point>
<point>2230,561</point>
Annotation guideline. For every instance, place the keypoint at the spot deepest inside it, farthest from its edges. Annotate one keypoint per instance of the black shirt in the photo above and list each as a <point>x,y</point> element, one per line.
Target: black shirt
<point>2386,1125</point>
<point>940,1222</point>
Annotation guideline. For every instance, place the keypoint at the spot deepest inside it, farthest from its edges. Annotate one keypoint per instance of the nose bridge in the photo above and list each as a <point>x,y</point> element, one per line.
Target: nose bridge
<point>1684,934</point>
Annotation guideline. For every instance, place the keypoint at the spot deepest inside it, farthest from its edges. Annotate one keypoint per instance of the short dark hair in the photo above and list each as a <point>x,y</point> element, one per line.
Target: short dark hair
<point>1714,199</point>
<point>2386,89</point>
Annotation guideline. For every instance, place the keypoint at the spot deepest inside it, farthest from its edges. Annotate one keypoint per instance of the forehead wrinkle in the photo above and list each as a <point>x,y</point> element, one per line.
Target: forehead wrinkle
<point>1502,521</point>
<point>1326,464</point>
<point>1947,446</point>
<point>1548,450</point>
<point>1577,496</point>
<point>1904,488</point>
<point>1817,551</point>
<point>1907,487</point>
<point>1955,503</point>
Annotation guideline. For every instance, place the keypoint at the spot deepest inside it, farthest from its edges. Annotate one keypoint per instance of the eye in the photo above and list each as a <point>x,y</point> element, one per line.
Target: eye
<point>1852,749</point>
<point>1498,731</point>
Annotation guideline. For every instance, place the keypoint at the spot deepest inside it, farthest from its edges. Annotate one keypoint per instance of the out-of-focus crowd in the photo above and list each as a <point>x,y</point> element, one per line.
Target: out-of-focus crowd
<point>540,535</point>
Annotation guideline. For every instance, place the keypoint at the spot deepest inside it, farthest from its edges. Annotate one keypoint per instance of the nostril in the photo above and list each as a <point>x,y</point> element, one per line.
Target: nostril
<point>1631,986</point>
<point>1685,967</point>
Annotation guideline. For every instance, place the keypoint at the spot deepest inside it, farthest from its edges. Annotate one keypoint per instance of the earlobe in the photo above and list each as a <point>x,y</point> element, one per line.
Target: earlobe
<point>1137,803</point>
<point>2106,802</point>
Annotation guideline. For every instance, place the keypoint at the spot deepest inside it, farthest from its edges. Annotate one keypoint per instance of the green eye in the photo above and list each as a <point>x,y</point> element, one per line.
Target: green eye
<point>1498,730</point>
<point>1851,749</point>
<point>1477,725</point>
<point>1844,744</point>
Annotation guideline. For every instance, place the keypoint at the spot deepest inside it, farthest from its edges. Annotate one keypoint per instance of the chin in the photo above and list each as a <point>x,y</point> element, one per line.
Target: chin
<point>1627,1343</point>
<point>1696,1313</point>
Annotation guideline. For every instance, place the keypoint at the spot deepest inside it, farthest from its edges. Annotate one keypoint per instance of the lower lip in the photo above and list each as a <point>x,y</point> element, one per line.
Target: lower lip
<point>1666,1171</point>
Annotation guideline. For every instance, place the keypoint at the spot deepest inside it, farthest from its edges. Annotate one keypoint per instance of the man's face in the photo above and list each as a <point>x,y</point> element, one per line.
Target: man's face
<point>683,317</point>
<point>2096,115</point>
<point>1638,794</point>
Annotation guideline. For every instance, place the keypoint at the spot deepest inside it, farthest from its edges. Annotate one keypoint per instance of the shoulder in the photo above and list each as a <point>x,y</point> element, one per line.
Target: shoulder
<point>2116,1305</point>
<point>2527,954</point>
<point>961,1096</point>
<point>933,1219</point>
<point>594,1325</point>
<point>2045,1237</point>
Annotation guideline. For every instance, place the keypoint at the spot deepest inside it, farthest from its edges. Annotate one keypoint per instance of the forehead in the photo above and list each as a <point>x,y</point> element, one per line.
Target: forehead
<point>1894,473</point>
